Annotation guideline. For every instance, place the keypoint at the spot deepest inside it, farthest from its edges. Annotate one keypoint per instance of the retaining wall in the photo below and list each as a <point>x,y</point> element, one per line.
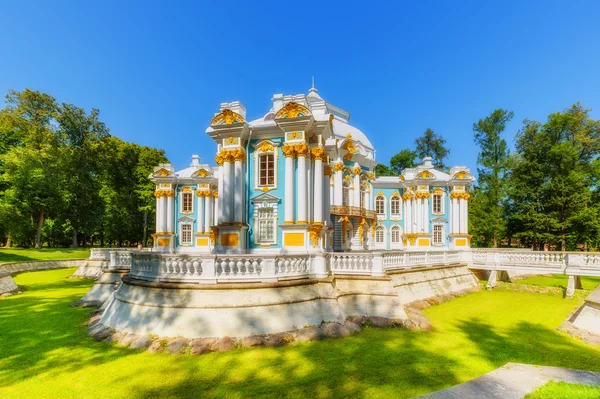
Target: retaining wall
<point>20,267</point>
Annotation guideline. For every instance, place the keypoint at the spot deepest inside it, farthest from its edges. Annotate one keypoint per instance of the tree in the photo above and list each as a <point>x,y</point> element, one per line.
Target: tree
<point>492,167</point>
<point>403,160</point>
<point>432,145</point>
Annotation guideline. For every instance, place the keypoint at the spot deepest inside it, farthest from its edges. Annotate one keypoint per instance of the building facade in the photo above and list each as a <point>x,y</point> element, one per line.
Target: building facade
<point>301,179</point>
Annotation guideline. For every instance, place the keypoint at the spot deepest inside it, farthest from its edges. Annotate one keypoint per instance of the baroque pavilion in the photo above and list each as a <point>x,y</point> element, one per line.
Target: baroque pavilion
<point>301,180</point>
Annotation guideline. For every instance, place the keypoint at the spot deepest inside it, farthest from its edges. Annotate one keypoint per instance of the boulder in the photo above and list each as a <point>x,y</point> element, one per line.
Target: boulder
<point>126,340</point>
<point>379,322</point>
<point>360,320</point>
<point>410,325</point>
<point>279,339</point>
<point>223,344</point>
<point>156,346</point>
<point>311,333</point>
<point>100,332</point>
<point>142,342</point>
<point>352,326</point>
<point>114,338</point>
<point>253,341</point>
<point>93,320</point>
<point>336,330</point>
<point>200,346</point>
<point>177,346</point>
<point>419,304</point>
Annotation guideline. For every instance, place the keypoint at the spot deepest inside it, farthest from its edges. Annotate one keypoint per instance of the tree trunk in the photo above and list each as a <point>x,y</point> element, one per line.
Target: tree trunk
<point>144,236</point>
<point>495,239</point>
<point>38,237</point>
<point>563,240</point>
<point>8,241</point>
<point>74,245</point>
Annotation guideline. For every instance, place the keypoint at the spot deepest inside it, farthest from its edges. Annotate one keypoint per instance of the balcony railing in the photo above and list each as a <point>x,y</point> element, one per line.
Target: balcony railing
<point>345,210</point>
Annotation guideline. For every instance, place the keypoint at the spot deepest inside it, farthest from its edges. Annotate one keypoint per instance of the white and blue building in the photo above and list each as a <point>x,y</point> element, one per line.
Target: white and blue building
<point>301,180</point>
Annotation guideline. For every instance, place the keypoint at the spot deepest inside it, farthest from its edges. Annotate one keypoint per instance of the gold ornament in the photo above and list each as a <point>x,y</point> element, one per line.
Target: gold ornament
<point>338,167</point>
<point>288,151</point>
<point>357,171</point>
<point>294,135</point>
<point>315,232</point>
<point>412,238</point>
<point>231,141</point>
<point>226,117</point>
<point>425,175</point>
<point>201,173</point>
<point>327,170</point>
<point>301,149</point>
<point>462,175</point>
<point>265,147</point>
<point>318,153</point>
<point>292,110</point>
<point>162,172</point>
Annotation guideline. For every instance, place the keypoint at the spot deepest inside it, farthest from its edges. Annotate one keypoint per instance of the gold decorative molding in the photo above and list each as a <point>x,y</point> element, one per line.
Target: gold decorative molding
<point>292,110</point>
<point>314,232</point>
<point>201,173</point>
<point>438,191</point>
<point>361,230</point>
<point>412,238</point>
<point>407,196</point>
<point>288,151</point>
<point>344,221</point>
<point>162,173</point>
<point>186,189</point>
<point>238,154</point>
<point>232,140</point>
<point>380,194</point>
<point>318,153</point>
<point>331,122</point>
<point>214,233</point>
<point>422,194</point>
<point>462,175</point>
<point>313,139</point>
<point>357,171</point>
<point>301,149</point>
<point>350,147</point>
<point>395,194</point>
<point>327,170</point>
<point>164,193</point>
<point>425,175</point>
<point>338,167</point>
<point>226,117</point>
<point>460,195</point>
<point>265,147</point>
<point>294,135</point>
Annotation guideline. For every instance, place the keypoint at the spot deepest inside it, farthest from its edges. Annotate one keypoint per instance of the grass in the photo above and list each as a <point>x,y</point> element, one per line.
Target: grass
<point>561,281</point>
<point>563,390</point>
<point>24,255</point>
<point>45,352</point>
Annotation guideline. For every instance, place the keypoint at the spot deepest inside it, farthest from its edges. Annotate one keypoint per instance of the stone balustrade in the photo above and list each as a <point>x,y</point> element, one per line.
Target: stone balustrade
<point>345,210</point>
<point>104,253</point>
<point>401,260</point>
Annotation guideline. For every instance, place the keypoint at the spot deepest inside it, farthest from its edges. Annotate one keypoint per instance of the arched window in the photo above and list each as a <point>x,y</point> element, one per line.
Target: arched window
<point>380,235</point>
<point>346,193</point>
<point>395,235</point>
<point>395,206</point>
<point>380,205</point>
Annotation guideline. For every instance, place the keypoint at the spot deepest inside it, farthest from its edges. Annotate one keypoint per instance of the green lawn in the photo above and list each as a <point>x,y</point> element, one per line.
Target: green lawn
<point>24,255</point>
<point>588,283</point>
<point>45,352</point>
<point>562,390</point>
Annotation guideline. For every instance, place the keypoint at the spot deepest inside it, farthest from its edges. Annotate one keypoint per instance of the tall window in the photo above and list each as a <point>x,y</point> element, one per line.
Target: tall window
<point>266,170</point>
<point>266,226</point>
<point>380,205</point>
<point>187,203</point>
<point>186,233</point>
<point>379,235</point>
<point>437,234</point>
<point>437,203</point>
<point>395,205</point>
<point>395,235</point>
<point>346,194</point>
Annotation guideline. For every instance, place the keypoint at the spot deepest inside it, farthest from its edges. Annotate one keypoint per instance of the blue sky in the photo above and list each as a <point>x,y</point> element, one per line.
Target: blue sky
<point>158,70</point>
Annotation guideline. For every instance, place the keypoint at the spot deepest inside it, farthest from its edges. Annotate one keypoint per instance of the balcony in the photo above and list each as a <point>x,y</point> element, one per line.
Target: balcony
<point>344,210</point>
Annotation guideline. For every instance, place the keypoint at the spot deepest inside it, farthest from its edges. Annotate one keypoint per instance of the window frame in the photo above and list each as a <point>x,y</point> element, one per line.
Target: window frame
<point>380,230</point>
<point>441,242</point>
<point>182,237</point>
<point>258,237</point>
<point>265,147</point>
<point>380,198</point>
<point>393,199</point>
<point>260,169</point>
<point>433,199</point>
<point>182,202</point>
<point>396,230</point>
<point>346,193</point>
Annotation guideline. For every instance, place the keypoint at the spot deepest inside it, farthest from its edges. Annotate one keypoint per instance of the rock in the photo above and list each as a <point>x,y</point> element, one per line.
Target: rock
<point>156,346</point>
<point>177,346</point>
<point>419,304</point>
<point>200,346</point>
<point>87,304</point>
<point>421,322</point>
<point>114,338</point>
<point>253,341</point>
<point>360,320</point>
<point>434,301</point>
<point>352,326</point>
<point>96,312</point>
<point>311,333</point>
<point>379,322</point>
<point>142,342</point>
<point>410,325</point>
<point>100,332</point>
<point>223,344</point>
<point>93,320</point>
<point>335,330</point>
<point>279,339</point>
<point>6,295</point>
<point>397,323</point>
<point>126,340</point>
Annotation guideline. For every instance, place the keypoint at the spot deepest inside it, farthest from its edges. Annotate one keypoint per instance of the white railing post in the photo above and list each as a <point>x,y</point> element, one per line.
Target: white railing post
<point>113,260</point>
<point>209,275</point>
<point>268,269</point>
<point>377,269</point>
<point>320,266</point>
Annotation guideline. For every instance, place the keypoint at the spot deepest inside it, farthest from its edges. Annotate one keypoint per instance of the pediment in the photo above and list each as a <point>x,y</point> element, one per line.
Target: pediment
<point>439,219</point>
<point>265,197</point>
<point>186,219</point>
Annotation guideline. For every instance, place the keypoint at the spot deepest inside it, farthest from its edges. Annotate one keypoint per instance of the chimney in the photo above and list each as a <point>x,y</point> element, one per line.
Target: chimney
<point>195,160</point>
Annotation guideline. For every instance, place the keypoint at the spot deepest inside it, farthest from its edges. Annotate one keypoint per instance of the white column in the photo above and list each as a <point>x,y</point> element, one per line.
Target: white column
<point>201,214</point>
<point>301,204</point>
<point>318,189</point>
<point>455,216</point>
<point>158,214</point>
<point>330,199</point>
<point>338,185</point>
<point>227,194</point>
<point>217,215</point>
<point>289,190</point>
<point>368,199</point>
<point>419,215</point>
<point>463,216</point>
<point>426,215</point>
<point>163,214</point>
<point>170,213</point>
<point>310,180</point>
<point>208,212</point>
<point>357,191</point>
<point>407,216</point>
<point>238,192</point>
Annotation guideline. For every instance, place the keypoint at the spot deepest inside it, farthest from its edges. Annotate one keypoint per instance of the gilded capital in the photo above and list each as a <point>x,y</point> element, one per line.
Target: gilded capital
<point>301,149</point>
<point>288,151</point>
<point>338,167</point>
<point>238,154</point>
<point>357,171</point>
<point>318,153</point>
